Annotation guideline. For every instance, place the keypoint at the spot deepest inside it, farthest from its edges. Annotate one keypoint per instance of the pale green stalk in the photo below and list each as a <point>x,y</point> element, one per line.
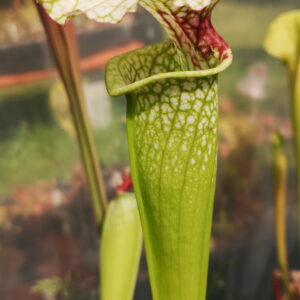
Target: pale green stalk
<point>280,168</point>
<point>64,48</point>
<point>283,42</point>
<point>295,110</point>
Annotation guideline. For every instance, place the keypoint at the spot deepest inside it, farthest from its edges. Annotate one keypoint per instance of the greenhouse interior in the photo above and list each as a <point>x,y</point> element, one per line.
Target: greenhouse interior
<point>133,166</point>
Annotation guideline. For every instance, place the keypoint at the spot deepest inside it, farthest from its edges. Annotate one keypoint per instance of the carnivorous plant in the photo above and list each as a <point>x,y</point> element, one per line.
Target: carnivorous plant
<point>172,119</point>
<point>283,42</point>
<point>121,235</point>
<point>172,116</point>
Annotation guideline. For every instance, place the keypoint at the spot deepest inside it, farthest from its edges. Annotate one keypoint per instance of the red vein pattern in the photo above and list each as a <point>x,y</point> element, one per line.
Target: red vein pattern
<point>192,31</point>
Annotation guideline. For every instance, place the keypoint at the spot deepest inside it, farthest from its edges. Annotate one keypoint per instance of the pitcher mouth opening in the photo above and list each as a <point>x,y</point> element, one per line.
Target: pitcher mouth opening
<point>135,69</point>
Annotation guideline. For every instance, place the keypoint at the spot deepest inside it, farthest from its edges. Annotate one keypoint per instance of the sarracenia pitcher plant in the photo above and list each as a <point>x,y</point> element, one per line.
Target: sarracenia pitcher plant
<point>121,234</point>
<point>283,42</point>
<point>172,115</point>
<point>172,133</point>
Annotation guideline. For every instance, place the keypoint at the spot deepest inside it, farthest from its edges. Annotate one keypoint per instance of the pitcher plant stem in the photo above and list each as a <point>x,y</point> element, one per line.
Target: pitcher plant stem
<point>282,41</point>
<point>295,108</point>
<point>280,180</point>
<point>64,49</point>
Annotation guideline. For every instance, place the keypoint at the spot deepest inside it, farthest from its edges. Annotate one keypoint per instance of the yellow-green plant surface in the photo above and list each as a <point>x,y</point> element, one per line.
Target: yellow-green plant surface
<point>120,249</point>
<point>172,119</point>
<point>172,134</point>
<point>283,42</point>
<point>280,168</point>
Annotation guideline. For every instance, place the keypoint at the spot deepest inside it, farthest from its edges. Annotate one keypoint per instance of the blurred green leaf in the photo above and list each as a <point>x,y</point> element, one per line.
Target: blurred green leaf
<point>283,39</point>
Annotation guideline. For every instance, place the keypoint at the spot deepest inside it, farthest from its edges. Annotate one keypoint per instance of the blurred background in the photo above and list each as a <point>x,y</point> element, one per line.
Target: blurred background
<point>47,230</point>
